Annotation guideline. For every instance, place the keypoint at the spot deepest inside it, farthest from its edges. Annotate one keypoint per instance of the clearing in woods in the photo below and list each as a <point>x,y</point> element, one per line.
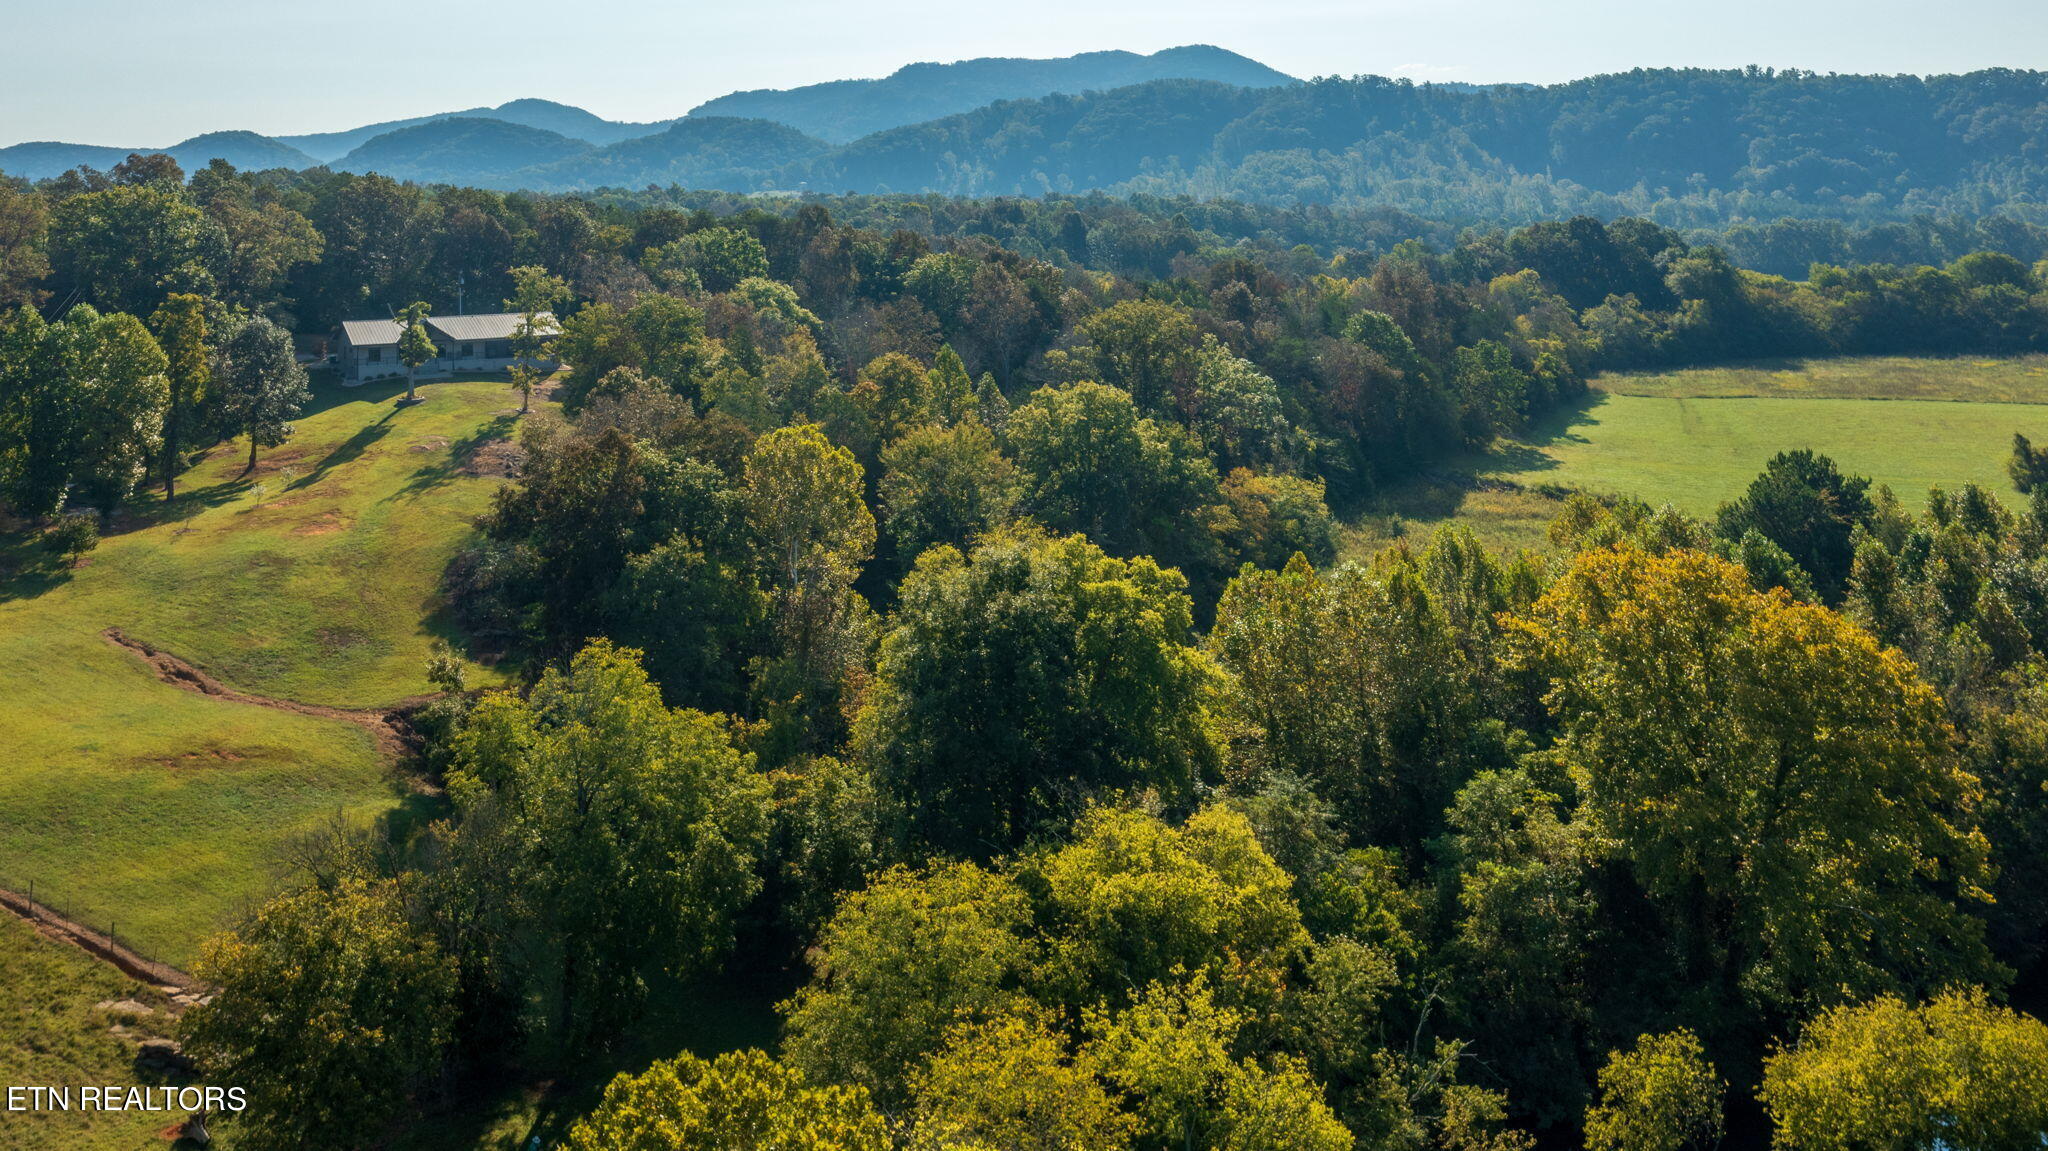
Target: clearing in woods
<point>1695,438</point>
<point>134,797</point>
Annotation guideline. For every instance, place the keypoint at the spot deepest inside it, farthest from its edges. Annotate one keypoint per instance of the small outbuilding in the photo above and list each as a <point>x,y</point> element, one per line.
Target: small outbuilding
<point>368,349</point>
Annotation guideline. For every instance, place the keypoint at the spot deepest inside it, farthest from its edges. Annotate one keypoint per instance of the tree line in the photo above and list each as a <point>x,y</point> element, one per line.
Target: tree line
<point>1352,369</point>
<point>964,627</point>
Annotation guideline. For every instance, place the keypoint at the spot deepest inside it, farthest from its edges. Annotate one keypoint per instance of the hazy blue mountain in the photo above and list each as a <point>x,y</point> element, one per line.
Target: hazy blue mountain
<point>1766,143</point>
<point>844,110</point>
<point>245,150</point>
<point>42,160</point>
<point>465,150</point>
<point>563,119</point>
<point>699,152</point>
<point>1786,142</point>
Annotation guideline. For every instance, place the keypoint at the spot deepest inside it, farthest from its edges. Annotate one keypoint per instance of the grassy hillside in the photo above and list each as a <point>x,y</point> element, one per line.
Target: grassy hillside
<point>1695,438</point>
<point>313,579</point>
<point>53,1033</point>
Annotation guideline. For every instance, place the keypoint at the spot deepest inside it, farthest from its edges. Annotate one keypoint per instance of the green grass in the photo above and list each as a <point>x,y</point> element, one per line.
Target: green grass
<point>1696,437</point>
<point>1503,518</point>
<point>53,1033</point>
<point>127,800</point>
<point>1697,453</point>
<point>2010,380</point>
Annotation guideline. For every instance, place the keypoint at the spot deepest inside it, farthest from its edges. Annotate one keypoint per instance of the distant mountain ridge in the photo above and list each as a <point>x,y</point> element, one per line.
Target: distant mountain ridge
<point>1763,143</point>
<point>563,119</point>
<point>460,150</point>
<point>843,110</point>
<point>41,160</point>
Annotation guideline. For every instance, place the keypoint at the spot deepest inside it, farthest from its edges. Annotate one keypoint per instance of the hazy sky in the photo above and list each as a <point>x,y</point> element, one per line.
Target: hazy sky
<point>153,72</point>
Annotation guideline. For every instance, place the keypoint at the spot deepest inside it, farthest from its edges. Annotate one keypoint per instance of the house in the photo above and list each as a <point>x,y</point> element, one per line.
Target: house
<point>368,349</point>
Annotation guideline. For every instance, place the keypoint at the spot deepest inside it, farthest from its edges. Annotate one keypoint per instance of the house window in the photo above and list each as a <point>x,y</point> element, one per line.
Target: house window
<point>376,356</point>
<point>468,351</point>
<point>498,350</point>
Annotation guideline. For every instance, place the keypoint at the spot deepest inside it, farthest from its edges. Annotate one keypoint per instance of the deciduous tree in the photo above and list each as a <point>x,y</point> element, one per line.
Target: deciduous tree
<point>740,1101</point>
<point>1956,1072</point>
<point>1018,679</point>
<point>535,296</point>
<point>181,331</point>
<point>330,1006</point>
<point>632,830</point>
<point>262,387</point>
<point>415,345</point>
<point>1780,783</point>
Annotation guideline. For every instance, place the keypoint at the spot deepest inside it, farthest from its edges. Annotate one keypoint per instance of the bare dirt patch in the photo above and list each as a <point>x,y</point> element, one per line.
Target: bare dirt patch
<point>496,459</point>
<point>273,464</point>
<point>326,523</point>
<point>337,638</point>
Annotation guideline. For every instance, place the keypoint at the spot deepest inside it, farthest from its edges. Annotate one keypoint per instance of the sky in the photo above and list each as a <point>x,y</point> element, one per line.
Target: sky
<point>147,73</point>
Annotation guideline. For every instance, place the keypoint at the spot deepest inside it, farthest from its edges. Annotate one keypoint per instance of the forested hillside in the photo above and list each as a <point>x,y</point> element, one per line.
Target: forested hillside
<point>1688,148</point>
<point>843,110</point>
<point>938,613</point>
<point>1685,145</point>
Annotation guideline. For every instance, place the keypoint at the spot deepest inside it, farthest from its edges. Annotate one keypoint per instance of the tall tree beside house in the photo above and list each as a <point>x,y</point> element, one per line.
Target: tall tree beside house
<point>115,377</point>
<point>536,293</point>
<point>262,386</point>
<point>415,346</point>
<point>180,326</point>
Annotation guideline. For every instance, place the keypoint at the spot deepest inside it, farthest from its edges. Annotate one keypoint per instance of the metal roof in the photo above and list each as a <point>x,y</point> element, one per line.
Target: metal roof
<point>370,333</point>
<point>470,328</point>
<point>483,326</point>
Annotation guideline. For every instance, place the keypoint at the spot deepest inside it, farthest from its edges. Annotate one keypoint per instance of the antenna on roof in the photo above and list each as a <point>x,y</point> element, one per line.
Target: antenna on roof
<point>461,278</point>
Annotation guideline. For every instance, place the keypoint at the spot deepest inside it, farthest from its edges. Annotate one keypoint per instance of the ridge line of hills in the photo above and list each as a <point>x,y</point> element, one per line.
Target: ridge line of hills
<point>1752,143</point>
<point>836,110</point>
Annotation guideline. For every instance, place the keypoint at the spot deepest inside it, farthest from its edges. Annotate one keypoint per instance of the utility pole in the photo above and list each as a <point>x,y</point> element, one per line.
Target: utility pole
<point>461,279</point>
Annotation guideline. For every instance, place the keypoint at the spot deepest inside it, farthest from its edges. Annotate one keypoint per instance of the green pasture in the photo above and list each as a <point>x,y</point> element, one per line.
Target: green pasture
<point>1695,438</point>
<point>131,802</point>
<point>54,1033</point>
<point>1968,379</point>
<point>1697,453</point>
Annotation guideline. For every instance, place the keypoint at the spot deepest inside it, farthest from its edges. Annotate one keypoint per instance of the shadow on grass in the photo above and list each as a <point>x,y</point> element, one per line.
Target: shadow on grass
<point>1561,425</point>
<point>348,451</point>
<point>1440,493</point>
<point>26,570</point>
<point>458,457</point>
<point>329,394</point>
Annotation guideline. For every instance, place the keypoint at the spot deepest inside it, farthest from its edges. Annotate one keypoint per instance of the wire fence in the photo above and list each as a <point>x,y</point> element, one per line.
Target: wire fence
<point>94,928</point>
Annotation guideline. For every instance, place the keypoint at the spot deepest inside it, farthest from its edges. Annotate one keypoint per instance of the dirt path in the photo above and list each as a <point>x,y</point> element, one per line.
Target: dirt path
<point>131,964</point>
<point>386,725</point>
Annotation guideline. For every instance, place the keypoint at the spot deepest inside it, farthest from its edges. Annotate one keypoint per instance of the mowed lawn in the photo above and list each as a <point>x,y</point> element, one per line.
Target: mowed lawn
<point>1696,437</point>
<point>1697,453</point>
<point>314,579</point>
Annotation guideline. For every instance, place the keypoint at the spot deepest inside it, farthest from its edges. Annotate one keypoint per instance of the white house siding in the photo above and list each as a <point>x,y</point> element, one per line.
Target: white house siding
<point>479,336</point>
